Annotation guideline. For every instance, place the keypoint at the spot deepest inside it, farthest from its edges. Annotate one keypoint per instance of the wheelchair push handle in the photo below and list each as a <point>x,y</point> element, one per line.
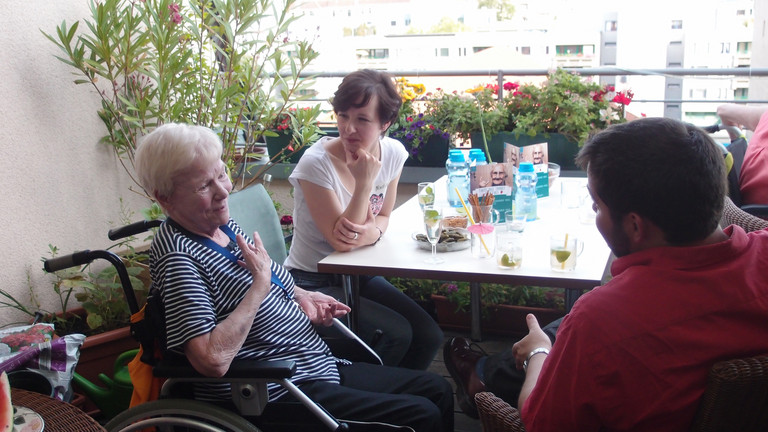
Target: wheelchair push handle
<point>86,256</point>
<point>63,262</point>
<point>133,229</point>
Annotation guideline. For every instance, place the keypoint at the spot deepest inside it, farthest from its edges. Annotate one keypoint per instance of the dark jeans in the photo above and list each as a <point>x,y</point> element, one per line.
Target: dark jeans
<point>421,400</point>
<point>500,374</point>
<point>409,338</point>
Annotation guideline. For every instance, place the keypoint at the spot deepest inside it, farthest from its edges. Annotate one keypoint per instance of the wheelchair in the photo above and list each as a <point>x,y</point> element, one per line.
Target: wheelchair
<point>733,153</point>
<point>249,409</point>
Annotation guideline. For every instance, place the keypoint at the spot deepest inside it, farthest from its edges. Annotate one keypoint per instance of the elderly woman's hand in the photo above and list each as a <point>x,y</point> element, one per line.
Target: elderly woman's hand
<point>257,261</point>
<point>320,308</point>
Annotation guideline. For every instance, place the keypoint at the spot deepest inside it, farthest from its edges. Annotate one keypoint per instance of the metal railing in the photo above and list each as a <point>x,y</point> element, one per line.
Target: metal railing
<point>500,74</point>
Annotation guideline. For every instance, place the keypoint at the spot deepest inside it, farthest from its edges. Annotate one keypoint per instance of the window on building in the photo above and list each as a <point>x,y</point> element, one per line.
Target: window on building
<point>698,93</point>
<point>478,49</point>
<point>525,50</point>
<point>741,93</point>
<point>741,12</point>
<point>442,52</point>
<point>725,48</point>
<point>375,53</point>
<point>744,47</point>
<point>677,24</point>
<point>567,50</point>
<point>407,20</point>
<point>611,26</point>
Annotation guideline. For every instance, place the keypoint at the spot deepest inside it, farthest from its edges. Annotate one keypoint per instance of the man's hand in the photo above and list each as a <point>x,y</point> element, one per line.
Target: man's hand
<point>536,338</point>
<point>320,308</point>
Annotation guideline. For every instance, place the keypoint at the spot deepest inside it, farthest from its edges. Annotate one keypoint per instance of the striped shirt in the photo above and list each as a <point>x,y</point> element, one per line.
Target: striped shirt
<point>200,287</point>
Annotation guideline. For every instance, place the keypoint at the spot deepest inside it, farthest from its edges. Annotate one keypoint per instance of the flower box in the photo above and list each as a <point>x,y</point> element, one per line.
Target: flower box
<point>561,150</point>
<point>504,320</point>
<point>433,153</point>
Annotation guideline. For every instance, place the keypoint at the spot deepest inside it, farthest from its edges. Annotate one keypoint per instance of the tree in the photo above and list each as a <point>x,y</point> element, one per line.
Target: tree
<point>504,9</point>
<point>448,25</point>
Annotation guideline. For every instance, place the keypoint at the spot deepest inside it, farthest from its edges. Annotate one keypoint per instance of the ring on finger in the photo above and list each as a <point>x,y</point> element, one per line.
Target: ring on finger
<point>355,237</point>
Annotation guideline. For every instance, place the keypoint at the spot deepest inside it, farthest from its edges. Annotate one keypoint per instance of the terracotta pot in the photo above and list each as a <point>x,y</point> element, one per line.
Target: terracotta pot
<point>505,320</point>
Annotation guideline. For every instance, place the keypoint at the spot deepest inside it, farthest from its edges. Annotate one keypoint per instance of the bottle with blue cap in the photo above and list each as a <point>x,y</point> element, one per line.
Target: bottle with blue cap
<point>458,177</point>
<point>476,159</point>
<point>525,196</point>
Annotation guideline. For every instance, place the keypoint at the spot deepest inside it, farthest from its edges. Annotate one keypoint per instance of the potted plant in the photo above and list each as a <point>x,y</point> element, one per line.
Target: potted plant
<point>91,302</point>
<point>291,133</point>
<point>415,127</point>
<point>503,307</point>
<point>228,65</point>
<point>563,110</point>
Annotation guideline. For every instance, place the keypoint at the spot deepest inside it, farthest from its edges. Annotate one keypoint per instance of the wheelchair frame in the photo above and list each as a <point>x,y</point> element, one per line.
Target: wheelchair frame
<point>248,379</point>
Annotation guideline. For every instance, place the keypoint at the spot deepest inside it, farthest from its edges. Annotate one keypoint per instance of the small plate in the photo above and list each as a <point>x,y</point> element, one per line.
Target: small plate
<point>461,244</point>
<point>26,420</point>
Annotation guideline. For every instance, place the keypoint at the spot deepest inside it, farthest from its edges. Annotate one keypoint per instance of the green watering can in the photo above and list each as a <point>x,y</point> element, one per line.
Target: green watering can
<point>116,397</point>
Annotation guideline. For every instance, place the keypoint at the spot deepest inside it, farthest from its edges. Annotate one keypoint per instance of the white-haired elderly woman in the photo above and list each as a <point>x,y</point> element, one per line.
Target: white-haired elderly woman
<point>225,299</point>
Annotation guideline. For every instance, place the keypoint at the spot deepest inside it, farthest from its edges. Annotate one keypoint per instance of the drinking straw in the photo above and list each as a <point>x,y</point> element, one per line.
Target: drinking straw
<point>562,265</point>
<point>471,221</point>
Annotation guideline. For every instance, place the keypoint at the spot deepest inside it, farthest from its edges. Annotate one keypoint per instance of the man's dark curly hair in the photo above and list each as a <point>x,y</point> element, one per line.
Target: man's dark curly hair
<point>667,171</point>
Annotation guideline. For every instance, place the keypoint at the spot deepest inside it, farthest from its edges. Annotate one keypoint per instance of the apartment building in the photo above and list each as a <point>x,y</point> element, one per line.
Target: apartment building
<point>395,35</point>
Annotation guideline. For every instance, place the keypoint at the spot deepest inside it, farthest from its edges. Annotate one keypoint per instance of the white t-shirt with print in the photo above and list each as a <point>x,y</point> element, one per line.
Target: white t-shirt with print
<point>308,245</point>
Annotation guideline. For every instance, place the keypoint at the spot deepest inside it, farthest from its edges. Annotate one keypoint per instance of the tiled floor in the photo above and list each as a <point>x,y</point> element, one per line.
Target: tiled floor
<point>491,344</point>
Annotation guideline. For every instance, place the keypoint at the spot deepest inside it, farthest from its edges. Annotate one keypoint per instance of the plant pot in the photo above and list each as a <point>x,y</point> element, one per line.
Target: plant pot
<point>503,320</point>
<point>560,149</point>
<point>279,144</point>
<point>432,154</point>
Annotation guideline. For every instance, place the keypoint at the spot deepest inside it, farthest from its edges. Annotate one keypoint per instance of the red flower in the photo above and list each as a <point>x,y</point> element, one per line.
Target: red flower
<point>286,220</point>
<point>623,98</point>
<point>509,86</point>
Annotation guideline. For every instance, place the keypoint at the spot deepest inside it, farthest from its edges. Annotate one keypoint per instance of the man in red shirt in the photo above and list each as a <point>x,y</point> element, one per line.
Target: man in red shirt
<point>634,354</point>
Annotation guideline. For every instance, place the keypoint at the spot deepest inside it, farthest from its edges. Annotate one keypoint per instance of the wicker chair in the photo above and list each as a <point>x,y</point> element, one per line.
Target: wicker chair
<point>735,399</point>
<point>733,215</point>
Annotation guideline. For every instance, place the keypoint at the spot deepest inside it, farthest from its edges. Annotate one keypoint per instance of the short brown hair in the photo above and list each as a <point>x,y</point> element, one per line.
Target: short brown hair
<point>357,89</point>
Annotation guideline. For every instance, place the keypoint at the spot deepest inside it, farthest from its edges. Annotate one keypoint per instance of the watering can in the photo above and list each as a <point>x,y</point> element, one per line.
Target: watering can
<point>116,396</point>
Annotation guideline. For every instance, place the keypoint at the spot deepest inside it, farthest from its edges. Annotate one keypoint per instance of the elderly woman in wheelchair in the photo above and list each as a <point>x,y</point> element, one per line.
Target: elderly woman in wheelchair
<point>224,299</point>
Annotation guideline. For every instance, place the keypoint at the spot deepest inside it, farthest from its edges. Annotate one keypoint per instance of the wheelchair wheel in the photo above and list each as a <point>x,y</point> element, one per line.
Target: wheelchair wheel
<point>179,415</point>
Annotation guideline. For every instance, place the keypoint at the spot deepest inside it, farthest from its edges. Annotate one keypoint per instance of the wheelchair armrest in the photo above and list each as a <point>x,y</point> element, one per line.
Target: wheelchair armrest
<point>268,369</point>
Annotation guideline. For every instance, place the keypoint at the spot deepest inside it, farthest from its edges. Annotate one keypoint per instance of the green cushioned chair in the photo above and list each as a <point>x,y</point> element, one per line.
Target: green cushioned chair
<point>252,208</point>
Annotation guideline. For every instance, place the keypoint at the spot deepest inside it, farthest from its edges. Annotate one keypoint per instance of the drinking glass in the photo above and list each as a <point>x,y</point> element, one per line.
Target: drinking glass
<point>563,250</point>
<point>509,249</point>
<point>433,223</point>
<point>426,194</point>
<point>515,221</point>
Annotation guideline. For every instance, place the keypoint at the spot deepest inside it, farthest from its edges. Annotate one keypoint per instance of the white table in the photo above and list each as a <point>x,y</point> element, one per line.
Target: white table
<point>397,254</point>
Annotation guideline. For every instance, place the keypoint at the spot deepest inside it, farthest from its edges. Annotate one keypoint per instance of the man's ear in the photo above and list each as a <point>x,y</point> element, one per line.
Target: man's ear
<point>641,232</point>
<point>634,227</point>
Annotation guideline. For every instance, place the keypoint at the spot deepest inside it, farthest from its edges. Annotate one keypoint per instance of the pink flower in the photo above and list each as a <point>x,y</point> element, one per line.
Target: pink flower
<point>175,15</point>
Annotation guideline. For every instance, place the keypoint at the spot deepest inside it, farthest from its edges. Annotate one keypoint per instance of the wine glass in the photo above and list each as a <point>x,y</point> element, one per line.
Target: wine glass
<point>433,223</point>
<point>426,195</point>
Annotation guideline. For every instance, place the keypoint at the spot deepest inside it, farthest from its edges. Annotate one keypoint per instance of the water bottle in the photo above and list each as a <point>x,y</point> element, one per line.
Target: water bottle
<point>476,158</point>
<point>525,197</point>
<point>458,177</point>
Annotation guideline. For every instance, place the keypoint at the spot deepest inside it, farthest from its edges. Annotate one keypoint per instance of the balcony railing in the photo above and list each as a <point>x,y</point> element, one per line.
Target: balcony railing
<point>743,72</point>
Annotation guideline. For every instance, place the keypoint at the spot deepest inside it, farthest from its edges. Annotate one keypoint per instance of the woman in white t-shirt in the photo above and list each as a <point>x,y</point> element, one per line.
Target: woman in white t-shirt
<point>345,189</point>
